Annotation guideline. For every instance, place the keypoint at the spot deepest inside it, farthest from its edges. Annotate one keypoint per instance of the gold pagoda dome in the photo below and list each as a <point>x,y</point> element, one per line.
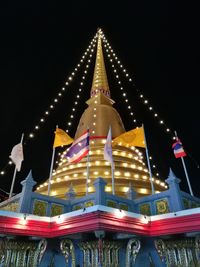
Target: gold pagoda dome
<point>100,114</point>
<point>98,117</point>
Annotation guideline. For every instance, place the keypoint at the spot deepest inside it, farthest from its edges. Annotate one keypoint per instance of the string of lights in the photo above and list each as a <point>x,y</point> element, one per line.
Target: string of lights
<point>69,80</point>
<point>112,58</point>
<point>52,107</point>
<point>120,85</point>
<point>142,98</point>
<point>78,95</point>
<point>85,58</point>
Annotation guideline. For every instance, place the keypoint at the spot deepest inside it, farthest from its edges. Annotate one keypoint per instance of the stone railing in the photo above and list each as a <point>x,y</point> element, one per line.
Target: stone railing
<point>171,200</point>
<point>11,204</point>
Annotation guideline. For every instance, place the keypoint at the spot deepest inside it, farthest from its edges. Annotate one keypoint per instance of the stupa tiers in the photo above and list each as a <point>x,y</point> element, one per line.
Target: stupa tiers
<point>98,116</point>
<point>101,229</point>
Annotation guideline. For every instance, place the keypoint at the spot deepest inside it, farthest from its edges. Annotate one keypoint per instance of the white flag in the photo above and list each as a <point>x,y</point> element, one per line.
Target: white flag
<point>17,156</point>
<point>108,148</point>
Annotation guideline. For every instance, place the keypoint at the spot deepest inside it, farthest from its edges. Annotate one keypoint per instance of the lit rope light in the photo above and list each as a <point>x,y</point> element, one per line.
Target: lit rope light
<point>119,82</point>
<point>70,78</point>
<point>72,115</point>
<point>145,101</point>
<point>76,102</point>
<point>55,101</point>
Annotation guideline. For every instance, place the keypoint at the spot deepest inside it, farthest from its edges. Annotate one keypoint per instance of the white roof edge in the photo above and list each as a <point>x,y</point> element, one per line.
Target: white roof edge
<point>175,214</point>
<point>117,212</point>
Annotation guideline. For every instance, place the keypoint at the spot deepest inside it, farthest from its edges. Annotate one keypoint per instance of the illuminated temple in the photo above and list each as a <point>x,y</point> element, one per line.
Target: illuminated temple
<point>73,228</point>
<point>129,162</point>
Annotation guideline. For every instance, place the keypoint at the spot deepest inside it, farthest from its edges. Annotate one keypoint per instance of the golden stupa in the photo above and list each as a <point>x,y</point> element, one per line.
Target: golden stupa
<point>99,116</point>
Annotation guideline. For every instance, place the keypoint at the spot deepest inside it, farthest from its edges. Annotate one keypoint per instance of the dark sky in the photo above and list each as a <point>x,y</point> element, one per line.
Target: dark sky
<point>42,41</point>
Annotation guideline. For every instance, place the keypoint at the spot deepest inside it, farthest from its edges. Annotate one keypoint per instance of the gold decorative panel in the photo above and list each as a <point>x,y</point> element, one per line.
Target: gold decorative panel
<point>145,209</point>
<point>186,203</point>
<point>123,206</point>
<point>89,204</point>
<point>162,206</point>
<point>111,204</point>
<point>77,207</point>
<point>13,206</point>
<point>40,208</point>
<point>56,209</point>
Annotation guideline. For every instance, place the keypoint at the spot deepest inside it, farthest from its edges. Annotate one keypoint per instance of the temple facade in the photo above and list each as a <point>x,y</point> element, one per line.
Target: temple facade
<point>72,227</point>
<point>100,114</point>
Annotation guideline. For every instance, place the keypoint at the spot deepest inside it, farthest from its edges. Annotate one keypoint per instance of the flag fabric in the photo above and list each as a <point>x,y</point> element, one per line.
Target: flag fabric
<point>61,138</point>
<point>79,149</point>
<point>17,156</point>
<point>133,137</point>
<point>178,149</point>
<point>108,148</point>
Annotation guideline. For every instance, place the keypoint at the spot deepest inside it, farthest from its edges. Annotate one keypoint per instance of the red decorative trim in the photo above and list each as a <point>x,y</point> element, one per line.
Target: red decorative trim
<point>176,225</point>
<point>97,137</point>
<point>99,220</point>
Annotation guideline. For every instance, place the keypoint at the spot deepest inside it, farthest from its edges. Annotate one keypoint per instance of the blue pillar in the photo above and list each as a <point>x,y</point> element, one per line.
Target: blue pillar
<point>131,194</point>
<point>100,194</point>
<point>175,192</point>
<point>71,193</point>
<point>148,255</point>
<point>27,189</point>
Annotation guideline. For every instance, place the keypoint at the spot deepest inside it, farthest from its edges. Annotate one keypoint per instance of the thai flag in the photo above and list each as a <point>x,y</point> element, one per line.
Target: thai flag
<point>79,149</point>
<point>178,149</point>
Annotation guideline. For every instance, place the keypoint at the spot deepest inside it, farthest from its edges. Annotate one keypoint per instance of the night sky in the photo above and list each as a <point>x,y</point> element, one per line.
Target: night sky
<point>41,43</point>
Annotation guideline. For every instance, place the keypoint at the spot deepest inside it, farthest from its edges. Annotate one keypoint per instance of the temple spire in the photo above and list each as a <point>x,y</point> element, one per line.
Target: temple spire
<point>100,81</point>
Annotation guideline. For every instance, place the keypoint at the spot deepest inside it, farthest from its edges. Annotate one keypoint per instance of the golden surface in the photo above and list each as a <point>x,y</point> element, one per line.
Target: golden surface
<point>129,165</point>
<point>100,81</point>
<point>129,168</point>
<point>98,117</point>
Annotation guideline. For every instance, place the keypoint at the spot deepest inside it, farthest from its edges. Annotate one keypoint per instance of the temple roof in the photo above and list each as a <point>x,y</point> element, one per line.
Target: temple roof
<point>100,81</point>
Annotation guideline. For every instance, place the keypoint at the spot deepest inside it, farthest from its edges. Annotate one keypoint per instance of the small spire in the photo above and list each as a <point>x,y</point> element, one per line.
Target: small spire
<point>29,180</point>
<point>71,193</point>
<point>100,81</point>
<point>131,194</point>
<point>172,178</point>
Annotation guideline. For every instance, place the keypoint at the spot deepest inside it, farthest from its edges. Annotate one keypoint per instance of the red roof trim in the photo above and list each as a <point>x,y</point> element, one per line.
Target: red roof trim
<point>99,220</point>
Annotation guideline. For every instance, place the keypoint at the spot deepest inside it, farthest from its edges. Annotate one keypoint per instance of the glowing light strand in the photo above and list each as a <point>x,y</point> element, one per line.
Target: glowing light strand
<point>70,78</point>
<point>145,101</point>
<point>112,57</point>
<point>42,120</point>
<point>77,98</point>
<point>119,83</point>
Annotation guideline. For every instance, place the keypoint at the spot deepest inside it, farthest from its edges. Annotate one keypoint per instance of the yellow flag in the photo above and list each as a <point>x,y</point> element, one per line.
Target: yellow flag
<point>133,137</point>
<point>62,138</point>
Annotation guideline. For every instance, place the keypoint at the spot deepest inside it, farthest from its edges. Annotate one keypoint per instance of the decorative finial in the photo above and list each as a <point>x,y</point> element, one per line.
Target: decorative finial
<point>100,81</point>
<point>29,180</point>
<point>71,193</point>
<point>172,178</point>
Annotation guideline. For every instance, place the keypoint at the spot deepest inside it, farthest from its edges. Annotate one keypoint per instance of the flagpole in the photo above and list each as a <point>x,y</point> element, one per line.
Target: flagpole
<point>185,170</point>
<point>108,156</point>
<point>148,163</point>
<point>113,178</point>
<point>88,168</point>
<point>112,168</point>
<point>14,174</point>
<point>51,168</point>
